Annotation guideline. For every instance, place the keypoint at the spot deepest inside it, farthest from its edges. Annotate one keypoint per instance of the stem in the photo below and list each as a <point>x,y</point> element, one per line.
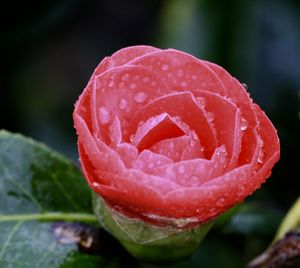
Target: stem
<point>81,217</point>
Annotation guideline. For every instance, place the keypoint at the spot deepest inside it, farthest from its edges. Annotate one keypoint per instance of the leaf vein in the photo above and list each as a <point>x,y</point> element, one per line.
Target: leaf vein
<point>9,238</point>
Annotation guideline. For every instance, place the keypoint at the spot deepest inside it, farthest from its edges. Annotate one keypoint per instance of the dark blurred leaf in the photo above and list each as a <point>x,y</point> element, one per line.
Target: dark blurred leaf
<point>254,218</point>
<point>37,183</point>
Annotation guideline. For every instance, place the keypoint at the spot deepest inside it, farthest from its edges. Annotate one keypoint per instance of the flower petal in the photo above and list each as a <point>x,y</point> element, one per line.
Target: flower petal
<point>156,128</point>
<point>122,57</point>
<point>181,71</point>
<point>227,123</point>
<point>120,91</point>
<point>149,161</point>
<point>184,105</point>
<point>179,148</point>
<point>194,172</point>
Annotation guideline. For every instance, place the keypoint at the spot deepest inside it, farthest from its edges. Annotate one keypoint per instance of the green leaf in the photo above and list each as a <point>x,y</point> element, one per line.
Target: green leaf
<point>39,186</point>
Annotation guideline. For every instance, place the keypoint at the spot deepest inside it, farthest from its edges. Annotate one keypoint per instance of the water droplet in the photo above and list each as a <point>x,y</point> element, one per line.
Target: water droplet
<point>104,115</point>
<point>111,83</point>
<point>194,77</point>
<point>241,188</point>
<point>201,101</point>
<point>132,86</point>
<point>140,97</point>
<point>245,86</point>
<point>136,77</point>
<point>123,104</point>
<point>146,79</point>
<point>180,73</point>
<point>131,138</point>
<point>212,210</point>
<point>183,84</point>
<point>121,84</point>
<point>125,77</point>
<point>181,169</point>
<point>194,135</point>
<point>210,116</point>
<point>260,142</point>
<point>95,184</point>
<point>165,67</point>
<point>220,202</point>
<point>192,143</point>
<point>261,156</point>
<point>244,124</point>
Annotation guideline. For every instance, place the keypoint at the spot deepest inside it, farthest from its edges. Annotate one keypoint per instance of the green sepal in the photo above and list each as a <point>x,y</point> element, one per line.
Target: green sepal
<point>148,242</point>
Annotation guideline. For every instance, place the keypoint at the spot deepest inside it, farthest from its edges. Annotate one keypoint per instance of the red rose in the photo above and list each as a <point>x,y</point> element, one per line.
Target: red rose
<point>164,136</point>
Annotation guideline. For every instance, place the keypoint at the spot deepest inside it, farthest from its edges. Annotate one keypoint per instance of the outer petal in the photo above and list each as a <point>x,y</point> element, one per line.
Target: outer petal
<point>181,71</point>
<point>122,57</point>
<point>121,91</point>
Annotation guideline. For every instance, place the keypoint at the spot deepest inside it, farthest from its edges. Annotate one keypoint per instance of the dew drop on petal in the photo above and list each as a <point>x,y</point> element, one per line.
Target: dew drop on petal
<point>183,84</point>
<point>125,77</point>
<point>146,79</point>
<point>245,86</point>
<point>96,184</point>
<point>180,73</point>
<point>123,104</point>
<point>132,85</point>
<point>261,156</point>
<point>131,138</point>
<point>210,116</point>
<point>136,77</point>
<point>121,84</point>
<point>201,101</point>
<point>104,115</point>
<point>220,202</point>
<point>244,124</point>
<point>165,67</point>
<point>140,97</point>
<point>111,83</point>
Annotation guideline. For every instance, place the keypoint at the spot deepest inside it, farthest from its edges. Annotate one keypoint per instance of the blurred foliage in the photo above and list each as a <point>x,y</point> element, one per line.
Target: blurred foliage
<point>49,50</point>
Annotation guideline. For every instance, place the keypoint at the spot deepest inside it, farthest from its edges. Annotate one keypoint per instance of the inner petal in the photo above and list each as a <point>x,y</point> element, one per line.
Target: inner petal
<point>185,106</point>
<point>155,129</point>
<point>179,148</point>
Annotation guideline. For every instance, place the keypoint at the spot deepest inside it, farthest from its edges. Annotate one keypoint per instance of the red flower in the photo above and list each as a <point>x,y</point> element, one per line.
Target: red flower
<point>166,137</point>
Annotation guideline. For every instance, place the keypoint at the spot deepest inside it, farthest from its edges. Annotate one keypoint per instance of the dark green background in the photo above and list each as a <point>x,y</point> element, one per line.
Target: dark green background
<point>49,50</point>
